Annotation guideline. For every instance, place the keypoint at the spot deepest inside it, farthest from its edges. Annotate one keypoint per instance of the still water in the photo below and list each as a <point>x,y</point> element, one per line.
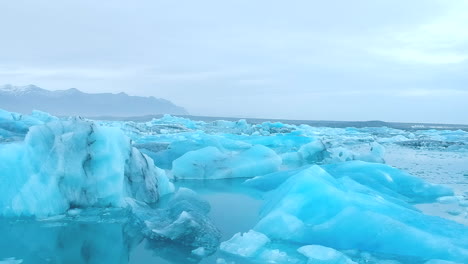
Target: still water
<point>109,238</point>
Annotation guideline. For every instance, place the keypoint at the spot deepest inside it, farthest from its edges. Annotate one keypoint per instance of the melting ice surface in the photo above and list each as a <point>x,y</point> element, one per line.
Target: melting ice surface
<point>174,190</point>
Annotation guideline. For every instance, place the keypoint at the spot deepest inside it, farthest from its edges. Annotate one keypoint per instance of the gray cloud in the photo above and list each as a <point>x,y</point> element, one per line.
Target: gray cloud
<point>342,60</point>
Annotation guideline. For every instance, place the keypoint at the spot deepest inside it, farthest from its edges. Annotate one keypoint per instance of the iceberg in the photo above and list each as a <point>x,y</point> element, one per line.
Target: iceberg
<point>317,254</point>
<point>14,126</point>
<point>75,170</point>
<point>312,207</point>
<point>180,218</point>
<point>75,164</point>
<point>388,180</point>
<point>211,163</point>
<point>258,247</point>
<point>245,245</point>
<point>165,149</point>
<point>381,178</point>
<point>438,261</point>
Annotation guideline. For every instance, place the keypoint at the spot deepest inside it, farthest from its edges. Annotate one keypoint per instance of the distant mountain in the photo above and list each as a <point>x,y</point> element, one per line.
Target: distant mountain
<point>24,99</point>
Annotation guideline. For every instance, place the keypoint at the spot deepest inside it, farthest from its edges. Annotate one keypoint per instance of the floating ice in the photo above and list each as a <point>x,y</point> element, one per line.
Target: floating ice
<point>257,246</point>
<point>11,261</point>
<point>438,261</point>
<point>201,252</point>
<point>312,207</point>
<point>246,244</point>
<point>323,255</point>
<point>180,218</point>
<point>388,180</point>
<point>379,177</point>
<point>165,149</point>
<point>14,126</point>
<point>211,163</point>
<point>74,163</point>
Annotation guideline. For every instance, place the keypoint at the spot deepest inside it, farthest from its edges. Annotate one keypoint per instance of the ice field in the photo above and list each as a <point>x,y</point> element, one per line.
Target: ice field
<point>175,190</point>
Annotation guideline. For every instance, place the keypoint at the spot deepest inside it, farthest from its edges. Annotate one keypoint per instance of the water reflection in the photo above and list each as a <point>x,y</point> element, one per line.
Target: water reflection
<point>84,242</point>
<point>110,237</point>
<point>71,242</point>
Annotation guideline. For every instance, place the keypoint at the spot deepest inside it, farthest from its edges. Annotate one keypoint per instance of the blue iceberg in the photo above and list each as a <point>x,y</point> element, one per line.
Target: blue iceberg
<point>313,207</point>
<point>211,163</point>
<point>75,164</point>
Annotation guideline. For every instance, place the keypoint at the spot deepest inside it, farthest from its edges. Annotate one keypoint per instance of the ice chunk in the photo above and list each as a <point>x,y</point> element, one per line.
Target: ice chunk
<point>201,252</point>
<point>312,152</point>
<point>74,163</point>
<point>335,154</point>
<point>275,256</point>
<point>246,244</point>
<point>11,261</point>
<point>14,126</point>
<point>449,199</point>
<point>223,261</point>
<point>377,153</point>
<point>388,180</point>
<point>211,163</point>
<point>381,178</point>
<point>271,181</point>
<point>280,143</point>
<point>258,248</point>
<point>180,218</point>
<point>324,255</point>
<point>330,212</point>
<point>165,149</point>
<point>438,261</point>
<point>174,120</point>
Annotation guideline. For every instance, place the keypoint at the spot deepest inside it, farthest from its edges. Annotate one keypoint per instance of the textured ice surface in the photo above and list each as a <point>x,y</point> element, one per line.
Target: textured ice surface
<point>211,163</point>
<point>74,163</point>
<point>388,180</point>
<point>258,247</point>
<point>181,219</point>
<point>246,244</point>
<point>312,207</point>
<point>317,254</point>
<point>438,261</point>
<point>14,126</point>
<point>380,178</point>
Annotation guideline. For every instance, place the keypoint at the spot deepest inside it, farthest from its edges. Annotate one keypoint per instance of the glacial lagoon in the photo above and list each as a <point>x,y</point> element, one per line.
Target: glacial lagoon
<point>175,190</point>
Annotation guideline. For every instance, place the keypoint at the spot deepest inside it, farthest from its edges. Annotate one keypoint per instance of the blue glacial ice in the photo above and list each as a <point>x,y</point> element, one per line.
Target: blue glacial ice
<point>312,207</point>
<point>211,163</point>
<point>331,195</point>
<point>317,254</point>
<point>246,244</point>
<point>180,218</point>
<point>74,163</point>
<point>381,178</point>
<point>14,126</point>
<point>388,180</point>
<point>71,167</point>
<point>255,245</point>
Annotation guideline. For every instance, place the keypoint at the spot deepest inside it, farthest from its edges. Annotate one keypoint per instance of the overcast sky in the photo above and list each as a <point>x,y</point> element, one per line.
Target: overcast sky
<point>391,60</point>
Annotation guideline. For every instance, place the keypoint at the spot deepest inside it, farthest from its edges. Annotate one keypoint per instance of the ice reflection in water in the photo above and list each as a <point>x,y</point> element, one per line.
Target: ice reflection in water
<point>107,236</point>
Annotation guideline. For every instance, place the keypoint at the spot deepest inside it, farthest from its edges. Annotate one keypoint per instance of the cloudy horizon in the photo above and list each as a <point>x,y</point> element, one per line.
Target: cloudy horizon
<point>339,60</point>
